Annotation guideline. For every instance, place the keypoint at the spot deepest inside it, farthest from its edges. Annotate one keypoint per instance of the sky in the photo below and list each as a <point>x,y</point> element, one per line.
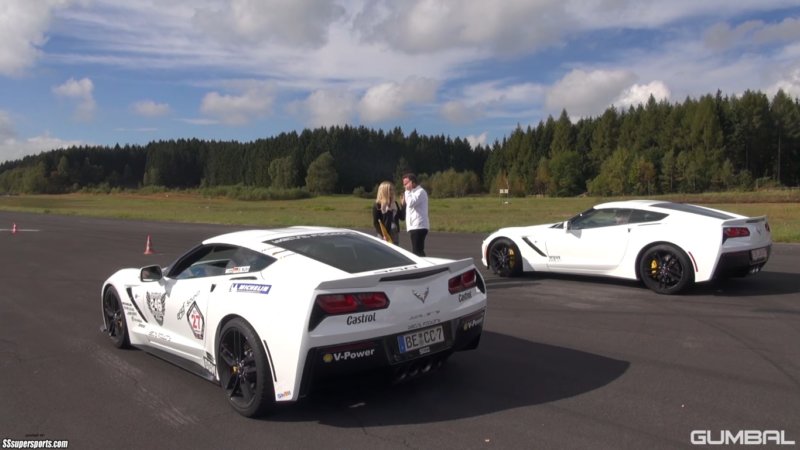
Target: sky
<point>107,72</point>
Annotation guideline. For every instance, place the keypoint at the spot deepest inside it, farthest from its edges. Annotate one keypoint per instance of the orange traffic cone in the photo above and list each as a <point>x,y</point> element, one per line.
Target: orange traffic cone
<point>14,228</point>
<point>148,249</point>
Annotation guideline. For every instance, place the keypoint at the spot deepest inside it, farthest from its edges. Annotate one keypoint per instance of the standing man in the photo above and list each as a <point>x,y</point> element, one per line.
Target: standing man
<point>416,204</point>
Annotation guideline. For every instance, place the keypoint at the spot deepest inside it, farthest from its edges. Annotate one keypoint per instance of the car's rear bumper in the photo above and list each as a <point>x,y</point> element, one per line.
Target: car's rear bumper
<point>384,353</point>
<point>740,263</point>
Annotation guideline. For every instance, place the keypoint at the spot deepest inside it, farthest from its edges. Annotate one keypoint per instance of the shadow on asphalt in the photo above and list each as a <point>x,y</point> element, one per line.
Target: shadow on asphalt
<point>503,373</point>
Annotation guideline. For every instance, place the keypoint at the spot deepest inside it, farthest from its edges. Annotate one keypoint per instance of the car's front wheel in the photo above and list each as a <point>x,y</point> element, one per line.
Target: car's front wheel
<point>114,319</point>
<point>243,370</point>
<point>504,258</point>
<point>665,269</point>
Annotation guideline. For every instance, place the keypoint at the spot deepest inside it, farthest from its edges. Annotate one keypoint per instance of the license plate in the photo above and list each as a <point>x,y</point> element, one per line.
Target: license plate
<point>758,254</point>
<point>420,339</point>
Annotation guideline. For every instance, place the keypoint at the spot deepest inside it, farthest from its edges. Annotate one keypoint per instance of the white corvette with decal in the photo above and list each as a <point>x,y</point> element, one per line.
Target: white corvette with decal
<point>268,313</point>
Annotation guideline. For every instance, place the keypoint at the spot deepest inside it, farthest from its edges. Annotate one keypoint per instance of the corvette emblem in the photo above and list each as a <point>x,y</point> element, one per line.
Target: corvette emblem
<point>421,296</point>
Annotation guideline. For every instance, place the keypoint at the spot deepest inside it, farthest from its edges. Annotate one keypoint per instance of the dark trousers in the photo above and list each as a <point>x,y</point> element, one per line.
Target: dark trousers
<point>418,241</point>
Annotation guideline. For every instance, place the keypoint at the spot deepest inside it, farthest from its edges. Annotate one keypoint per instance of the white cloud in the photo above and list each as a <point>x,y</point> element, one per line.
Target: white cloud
<point>12,148</point>
<point>81,91</point>
<point>327,107</point>
<point>640,94</point>
<point>585,94</point>
<point>504,26</point>
<point>790,83</point>
<point>302,23</point>
<point>460,112</point>
<point>238,109</point>
<point>475,141</point>
<point>23,24</point>
<point>6,126</point>
<point>149,108</point>
<point>388,101</point>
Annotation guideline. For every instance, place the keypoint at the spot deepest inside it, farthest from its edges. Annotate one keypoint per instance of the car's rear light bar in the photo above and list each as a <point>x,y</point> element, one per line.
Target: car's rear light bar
<point>460,283</point>
<point>734,232</point>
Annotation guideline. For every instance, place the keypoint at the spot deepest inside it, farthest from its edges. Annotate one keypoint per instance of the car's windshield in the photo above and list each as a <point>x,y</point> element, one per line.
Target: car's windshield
<point>347,251</point>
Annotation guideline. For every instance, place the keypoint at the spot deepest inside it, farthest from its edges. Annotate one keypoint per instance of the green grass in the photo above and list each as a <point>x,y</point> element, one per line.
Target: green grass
<point>471,214</point>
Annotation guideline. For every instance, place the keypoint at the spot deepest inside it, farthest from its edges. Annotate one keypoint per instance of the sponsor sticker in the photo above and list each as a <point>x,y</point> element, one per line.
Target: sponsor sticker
<point>251,288</point>
<point>284,394</point>
<point>155,303</point>
<point>473,323</point>
<point>362,318</point>
<point>349,355</point>
<point>238,269</point>
<point>196,321</point>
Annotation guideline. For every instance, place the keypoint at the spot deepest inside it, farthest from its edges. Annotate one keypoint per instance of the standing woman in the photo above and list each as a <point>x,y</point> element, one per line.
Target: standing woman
<point>386,214</point>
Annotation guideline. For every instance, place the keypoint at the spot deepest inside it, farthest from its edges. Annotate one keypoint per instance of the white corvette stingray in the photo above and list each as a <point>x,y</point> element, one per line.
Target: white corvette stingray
<point>266,313</point>
<point>668,246</point>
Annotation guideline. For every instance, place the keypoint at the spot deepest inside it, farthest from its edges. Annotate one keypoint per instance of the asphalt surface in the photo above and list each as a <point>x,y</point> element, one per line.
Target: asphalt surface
<point>565,362</point>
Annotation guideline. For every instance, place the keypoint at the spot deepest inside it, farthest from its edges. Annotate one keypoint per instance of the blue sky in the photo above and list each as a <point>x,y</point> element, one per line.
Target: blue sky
<point>102,72</point>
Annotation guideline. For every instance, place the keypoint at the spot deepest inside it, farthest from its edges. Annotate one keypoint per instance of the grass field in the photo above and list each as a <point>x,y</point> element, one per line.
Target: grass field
<point>471,214</point>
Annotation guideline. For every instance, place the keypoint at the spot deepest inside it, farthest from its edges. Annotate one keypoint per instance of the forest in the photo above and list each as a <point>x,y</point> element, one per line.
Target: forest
<point>714,143</point>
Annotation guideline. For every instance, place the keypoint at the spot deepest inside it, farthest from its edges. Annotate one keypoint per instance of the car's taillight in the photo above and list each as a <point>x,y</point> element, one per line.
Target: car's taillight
<point>460,283</point>
<point>333,304</point>
<point>734,232</point>
<point>350,303</point>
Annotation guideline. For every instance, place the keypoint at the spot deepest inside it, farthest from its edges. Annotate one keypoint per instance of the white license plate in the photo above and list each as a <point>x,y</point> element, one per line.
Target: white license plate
<point>758,254</point>
<point>420,339</point>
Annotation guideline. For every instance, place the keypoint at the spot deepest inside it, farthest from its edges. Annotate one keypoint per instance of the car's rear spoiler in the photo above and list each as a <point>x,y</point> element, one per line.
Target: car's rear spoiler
<point>744,221</point>
<point>396,274</point>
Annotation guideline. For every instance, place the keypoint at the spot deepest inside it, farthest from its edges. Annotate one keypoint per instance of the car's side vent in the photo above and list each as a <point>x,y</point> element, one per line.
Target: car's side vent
<point>535,248</point>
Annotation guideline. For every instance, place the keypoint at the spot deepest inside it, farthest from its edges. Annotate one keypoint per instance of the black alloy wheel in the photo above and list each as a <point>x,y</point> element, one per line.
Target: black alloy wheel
<point>665,269</point>
<point>243,370</point>
<point>504,258</point>
<point>114,319</point>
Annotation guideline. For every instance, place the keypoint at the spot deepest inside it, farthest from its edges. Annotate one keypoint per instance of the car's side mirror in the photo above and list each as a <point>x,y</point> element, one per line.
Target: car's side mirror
<point>566,226</point>
<point>151,273</point>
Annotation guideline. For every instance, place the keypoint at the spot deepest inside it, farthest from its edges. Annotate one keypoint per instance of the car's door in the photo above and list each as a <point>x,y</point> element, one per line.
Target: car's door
<point>175,306</point>
<point>590,242</point>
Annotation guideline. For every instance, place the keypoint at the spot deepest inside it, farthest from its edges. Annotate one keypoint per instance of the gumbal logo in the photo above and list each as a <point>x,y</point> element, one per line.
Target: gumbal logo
<point>740,437</point>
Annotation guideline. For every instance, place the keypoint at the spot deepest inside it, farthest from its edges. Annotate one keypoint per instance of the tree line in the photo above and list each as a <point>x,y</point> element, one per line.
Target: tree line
<point>711,143</point>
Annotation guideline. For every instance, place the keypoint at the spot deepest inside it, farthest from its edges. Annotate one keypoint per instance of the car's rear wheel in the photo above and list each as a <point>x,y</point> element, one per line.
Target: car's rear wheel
<point>504,258</point>
<point>665,269</point>
<point>243,370</point>
<point>114,319</point>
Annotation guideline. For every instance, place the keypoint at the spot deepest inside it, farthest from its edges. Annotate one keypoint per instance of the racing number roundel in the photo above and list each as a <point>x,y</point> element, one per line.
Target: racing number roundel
<point>196,321</point>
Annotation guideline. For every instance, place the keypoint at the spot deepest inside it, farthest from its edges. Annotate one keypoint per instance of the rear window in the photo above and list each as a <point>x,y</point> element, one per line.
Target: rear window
<point>346,251</point>
<point>683,207</point>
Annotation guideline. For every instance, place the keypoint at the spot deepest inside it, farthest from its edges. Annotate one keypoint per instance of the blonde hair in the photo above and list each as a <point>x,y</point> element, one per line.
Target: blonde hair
<point>385,197</point>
